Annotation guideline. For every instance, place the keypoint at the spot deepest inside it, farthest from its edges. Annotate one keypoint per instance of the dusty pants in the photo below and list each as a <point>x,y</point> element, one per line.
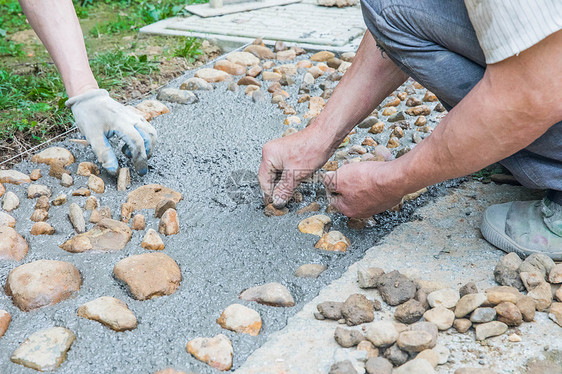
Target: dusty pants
<point>434,42</point>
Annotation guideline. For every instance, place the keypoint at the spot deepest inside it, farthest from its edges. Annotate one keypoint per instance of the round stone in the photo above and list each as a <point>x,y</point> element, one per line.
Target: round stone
<point>12,245</point>
<point>240,318</point>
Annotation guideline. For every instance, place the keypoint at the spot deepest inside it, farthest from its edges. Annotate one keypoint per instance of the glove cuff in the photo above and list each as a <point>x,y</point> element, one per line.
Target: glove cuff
<point>86,96</point>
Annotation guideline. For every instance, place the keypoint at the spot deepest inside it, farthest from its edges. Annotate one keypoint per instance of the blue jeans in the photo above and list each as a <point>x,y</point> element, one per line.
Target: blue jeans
<point>434,42</point>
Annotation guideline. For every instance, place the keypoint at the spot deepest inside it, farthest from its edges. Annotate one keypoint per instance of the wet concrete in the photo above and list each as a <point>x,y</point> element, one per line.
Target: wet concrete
<point>224,246</point>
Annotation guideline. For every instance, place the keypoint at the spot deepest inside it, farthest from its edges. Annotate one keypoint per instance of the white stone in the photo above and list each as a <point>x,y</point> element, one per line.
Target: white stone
<point>44,350</point>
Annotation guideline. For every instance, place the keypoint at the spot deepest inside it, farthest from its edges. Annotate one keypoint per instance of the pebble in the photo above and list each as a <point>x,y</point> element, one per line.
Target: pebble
<point>12,245</point>
<point>542,295</point>
<point>243,58</point>
<point>393,142</point>
<point>149,275</point>
<point>241,319</point>
<point>500,294</point>
<point>260,52</point>
<point>420,121</point>
<point>83,191</point>
<point>480,315</point>
<point>414,341</point>
<point>35,174</point>
<point>396,288</point>
<point>333,241</point>
<point>420,110</point>
<point>415,367</point>
<point>310,270</point>
<point>509,314</point>
<point>342,367</point>
<point>174,95</point>
<point>271,211</point>
<point>468,303</point>
<point>57,155</point>
<point>378,365</point>
<point>232,86</point>
<point>462,325</point>
<point>127,210</point>
<point>469,288</point>
<point>382,333</point>
<point>230,67</point>
<point>42,228</point>
<point>148,196</point>
<point>427,327</point>
<point>357,309</point>
<point>368,278</point>
<point>152,241</point>
<point>213,75</point>
<point>91,203</point>
<point>11,202</point>
<point>216,352</point>
<point>304,64</point>
<point>506,272</point>
<point>44,350</point>
<point>5,320</point>
<point>442,317</point>
<point>123,179</point>
<point>315,225</point>
<point>368,348</point>
<point>196,84</point>
<point>490,329</point>
<point>96,184</point>
<point>39,215</point>
<point>257,96</point>
<point>526,306</point>
<point>442,354</point>
<point>272,294</point>
<point>330,309</point>
<point>537,262</point>
<point>59,200</point>
<point>389,111</point>
<point>555,274</point>
<point>514,338</point>
<point>7,220</point>
<point>286,69</point>
<point>399,116</point>
<point>430,97</point>
<point>152,109</point>
<point>286,55</point>
<point>348,338</point>
<point>66,180</point>
<point>270,76</point>
<point>377,128</point>
<point>409,312</point>
<point>446,298</point>
<point>42,283</point>
<point>368,122</point>
<point>395,355</point>
<point>310,208</point>
<point>106,236</point>
<point>110,312</point>
<point>474,371</point>
<point>85,169</point>
<point>138,223</point>
<point>13,177</point>
<point>322,56</point>
<point>76,217</point>
<point>555,313</point>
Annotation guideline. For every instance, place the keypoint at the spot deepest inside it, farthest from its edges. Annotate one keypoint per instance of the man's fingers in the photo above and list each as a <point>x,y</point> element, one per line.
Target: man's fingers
<point>101,147</point>
<point>284,188</point>
<point>148,133</point>
<point>136,148</point>
<point>266,179</point>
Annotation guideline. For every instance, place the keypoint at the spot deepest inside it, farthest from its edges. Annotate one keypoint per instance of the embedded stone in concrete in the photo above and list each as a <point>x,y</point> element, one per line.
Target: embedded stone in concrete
<point>272,294</point>
<point>152,241</point>
<point>86,168</point>
<point>152,109</point>
<point>108,235</point>
<point>7,220</point>
<point>76,216</point>
<point>213,75</point>
<point>91,203</point>
<point>123,179</point>
<point>66,180</point>
<point>10,202</point>
<point>42,228</point>
<point>42,283</point>
<point>382,333</point>
<point>230,67</point>
<point>243,58</point>
<point>44,350</point>
<point>52,155</point>
<point>315,225</point>
<point>169,223</point>
<point>310,270</point>
<point>96,184</point>
<point>194,84</point>
<point>490,329</point>
<point>138,223</point>
<point>396,288</point>
<point>13,177</point>
<point>240,318</point>
<point>110,312</point>
<point>12,245</point>
<point>149,275</point>
<point>37,190</point>
<point>148,196</point>
<point>468,303</point>
<point>39,215</point>
<point>333,241</point>
<point>368,278</point>
<point>446,297</point>
<point>163,206</point>
<point>322,56</point>
<point>216,352</point>
<point>260,52</point>
<point>5,319</point>
<point>173,95</point>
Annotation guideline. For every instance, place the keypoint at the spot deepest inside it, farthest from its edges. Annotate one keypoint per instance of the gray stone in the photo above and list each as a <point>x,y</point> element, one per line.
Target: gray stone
<point>396,117</point>
<point>537,262</point>
<point>342,367</point>
<point>193,84</point>
<point>378,365</point>
<point>310,270</point>
<point>415,367</point>
<point>468,303</point>
<point>468,289</point>
<point>409,312</point>
<point>330,309</point>
<point>44,350</point>
<point>428,327</point>
<point>395,355</point>
<point>490,329</point>
<point>396,288</point>
<point>347,337</point>
<point>273,294</point>
<point>357,309</point>
<point>368,122</point>
<point>506,272</point>
<point>174,95</point>
<point>367,278</point>
<point>481,315</point>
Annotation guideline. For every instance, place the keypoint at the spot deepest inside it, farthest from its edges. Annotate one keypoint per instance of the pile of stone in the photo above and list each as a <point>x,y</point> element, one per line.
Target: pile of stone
<point>409,343</point>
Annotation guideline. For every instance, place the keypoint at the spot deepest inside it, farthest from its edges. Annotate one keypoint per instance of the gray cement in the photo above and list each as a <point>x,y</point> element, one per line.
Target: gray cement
<point>224,247</point>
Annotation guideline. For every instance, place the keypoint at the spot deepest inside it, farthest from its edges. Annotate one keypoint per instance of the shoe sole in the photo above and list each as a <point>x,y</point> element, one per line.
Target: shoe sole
<point>500,240</point>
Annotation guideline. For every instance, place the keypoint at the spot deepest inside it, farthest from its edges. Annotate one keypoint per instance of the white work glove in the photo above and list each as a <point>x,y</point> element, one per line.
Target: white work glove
<point>99,118</point>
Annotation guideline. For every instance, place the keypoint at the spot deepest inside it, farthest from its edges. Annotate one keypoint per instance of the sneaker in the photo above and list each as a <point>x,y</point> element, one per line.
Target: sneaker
<point>525,227</point>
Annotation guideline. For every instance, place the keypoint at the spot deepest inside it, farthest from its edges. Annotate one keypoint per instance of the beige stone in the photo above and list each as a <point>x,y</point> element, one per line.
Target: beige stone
<point>44,350</point>
<point>139,222</point>
<point>243,58</point>
<point>216,352</point>
<point>96,184</point>
<point>333,241</point>
<point>107,236</point>
<point>273,294</point>
<point>5,319</point>
<point>152,108</point>
<point>7,220</point>
<point>12,245</point>
<point>169,223</point>
<point>240,318</point>
<point>322,56</point>
<point>123,179</point>
<point>148,196</point>
<point>35,174</point>
<point>315,225</point>
<point>213,75</point>
<point>152,241</point>
<point>52,155</point>
<point>42,228</point>
<point>109,311</point>
<point>85,169</point>
<point>13,177</point>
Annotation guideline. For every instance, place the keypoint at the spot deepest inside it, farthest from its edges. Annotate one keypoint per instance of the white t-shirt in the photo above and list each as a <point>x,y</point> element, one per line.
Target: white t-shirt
<point>507,27</point>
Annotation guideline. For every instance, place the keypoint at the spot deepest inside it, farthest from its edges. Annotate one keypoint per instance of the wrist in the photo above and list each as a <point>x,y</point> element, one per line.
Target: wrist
<point>80,88</point>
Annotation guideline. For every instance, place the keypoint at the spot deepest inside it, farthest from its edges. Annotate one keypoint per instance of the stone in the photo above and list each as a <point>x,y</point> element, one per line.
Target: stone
<point>393,142</point>
<point>42,283</point>
<point>174,95</point>
<point>232,86</point>
<point>196,84</point>
<point>39,215</point>
<point>469,288</point>
<point>467,370</point>
<point>542,295</point>
<point>241,319</point>
<point>427,327</point>
<point>52,155</point>
<point>42,228</point>
<point>462,325</point>
<point>59,200</point>
<point>13,177</point>
<point>333,241</point>
<point>270,76</point>
<point>555,274</point>
<point>506,272</point>
<point>216,352</point>
<point>12,245</point>
<point>91,203</point>
<point>526,306</point>
<point>557,294</point>
<point>123,179</point>
<point>509,314</point>
<point>396,288</point>
<point>152,241</point>
<point>389,111</point>
<point>367,278</point>
<point>420,110</point>
<point>243,58</point>
<point>342,367</point>
<point>258,96</point>
<point>555,313</point>
<point>382,333</point>
<point>368,348</point>
<point>286,55</point>
<point>357,309</point>
<point>271,211</point>
<point>500,294</point>
<point>286,69</point>
<point>35,174</point>
<point>330,309</point>
<point>5,319</point>
<point>83,191</point>
<point>149,275</point>
<point>415,367</point>
<point>66,180</point>
<point>37,190</point>
<point>10,202</point>
<point>76,217</point>
<point>110,312</point>
<point>531,280</point>
<point>315,225</point>
<point>127,210</point>
<point>310,208</point>
<point>85,169</point>
<point>108,235</point>
<point>169,223</point>
<point>416,138</point>
<point>395,355</point>
<point>7,220</point>
<point>42,203</point>
<point>514,338</point>
<point>272,294</point>
<point>310,270</point>
<point>378,365</point>
<point>537,262</point>
<point>213,75</point>
<point>468,303</point>
<point>420,121</point>
<point>368,122</point>
<point>348,338</point>
<point>96,184</point>
<point>304,64</point>
<point>446,297</point>
<point>409,312</point>
<point>399,116</point>
<point>148,196</point>
<point>254,71</point>
<point>152,108</point>
<point>481,315</point>
<point>230,67</point>
<point>139,222</point>
<point>414,341</point>
<point>260,52</point>
<point>490,329</point>
<point>442,317</point>
<point>322,56</point>
<point>44,350</point>
<point>171,371</point>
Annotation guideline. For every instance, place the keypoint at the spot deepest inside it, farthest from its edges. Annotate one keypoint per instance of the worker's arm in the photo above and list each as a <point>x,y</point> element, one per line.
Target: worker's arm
<point>97,115</point>
<point>516,102</point>
<point>369,80</point>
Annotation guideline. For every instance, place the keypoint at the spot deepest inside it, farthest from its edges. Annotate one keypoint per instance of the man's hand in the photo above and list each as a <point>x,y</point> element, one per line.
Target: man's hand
<point>360,190</point>
<point>287,161</point>
<point>99,118</point>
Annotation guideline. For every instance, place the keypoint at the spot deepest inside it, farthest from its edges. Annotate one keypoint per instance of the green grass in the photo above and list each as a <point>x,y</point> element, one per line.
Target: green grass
<point>189,50</point>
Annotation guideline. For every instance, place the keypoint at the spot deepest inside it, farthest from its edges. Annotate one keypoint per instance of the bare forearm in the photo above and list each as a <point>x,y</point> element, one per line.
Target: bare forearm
<point>56,24</point>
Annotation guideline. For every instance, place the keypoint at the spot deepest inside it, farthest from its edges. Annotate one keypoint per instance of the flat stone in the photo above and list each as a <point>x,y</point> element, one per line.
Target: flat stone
<point>357,309</point>
<point>108,235</point>
<point>333,241</point>
<point>396,288</point>
<point>230,67</point>
<point>442,317</point>
<point>368,278</point>
<point>555,274</point>
<point>310,270</point>
<point>382,333</point>
<point>243,58</point>
<point>500,294</point>
<point>37,190</point>
<point>213,75</point>
<point>44,350</point>
<point>509,314</point>
<point>96,184</point>
<point>260,52</point>
<point>378,365</point>
<point>194,84</point>
<point>322,56</point>
<point>468,303</point>
<point>490,329</point>
<point>13,177</point>
<point>414,341</point>
<point>241,319</point>
<point>315,225</point>
<point>272,294</point>
<point>506,271</point>
<point>148,196</point>
<point>330,309</point>
<point>555,313</point>
<point>415,367</point>
<point>110,312</point>
<point>216,352</point>
<point>462,325</point>
<point>42,228</point>
<point>481,315</point>
<point>56,155</point>
<point>169,223</point>
<point>12,245</point>
<point>152,109</point>
<point>76,216</point>
<point>10,202</point>
<point>348,338</point>
<point>42,283</point>
<point>83,191</point>
<point>446,297</point>
<point>123,179</point>
<point>5,319</point>
<point>537,262</point>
